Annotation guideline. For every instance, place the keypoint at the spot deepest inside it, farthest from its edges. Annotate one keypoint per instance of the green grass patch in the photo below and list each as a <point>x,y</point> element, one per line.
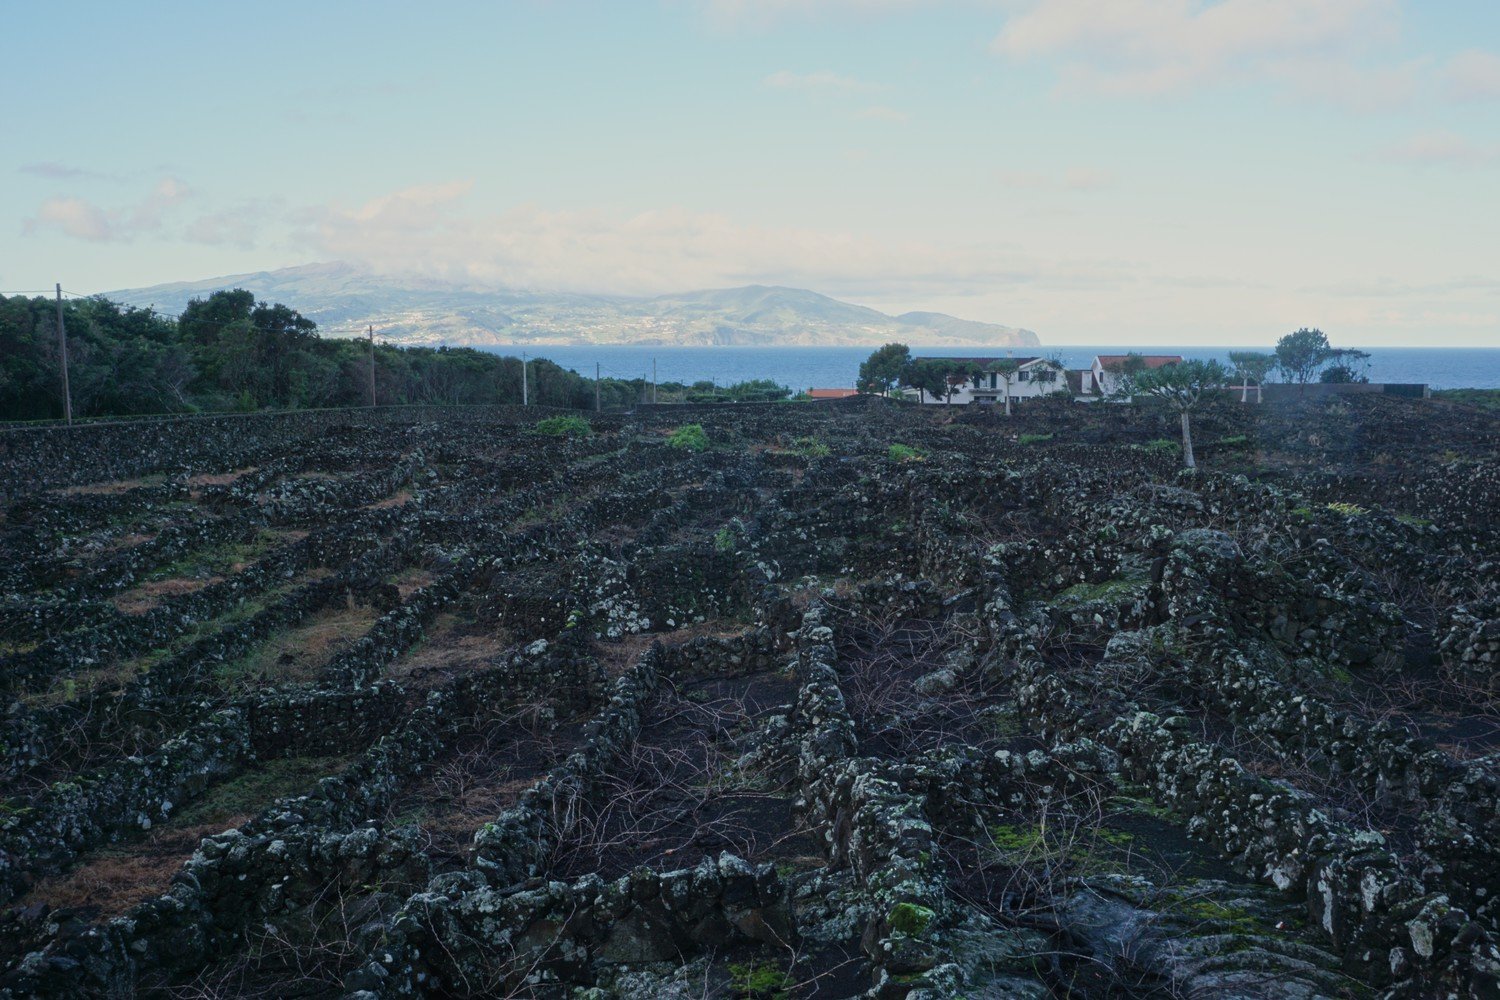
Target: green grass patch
<point>1008,838</point>
<point>810,447</point>
<point>219,560</point>
<point>1035,438</point>
<point>1346,509</point>
<point>568,425</point>
<point>758,981</point>
<point>904,453</point>
<point>1162,446</point>
<point>689,437</point>
<point>248,793</point>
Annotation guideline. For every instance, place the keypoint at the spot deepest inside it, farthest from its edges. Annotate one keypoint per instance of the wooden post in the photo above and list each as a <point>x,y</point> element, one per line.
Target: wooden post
<point>596,387</point>
<point>523,379</point>
<point>62,339</point>
<point>653,380</point>
<point>372,365</point>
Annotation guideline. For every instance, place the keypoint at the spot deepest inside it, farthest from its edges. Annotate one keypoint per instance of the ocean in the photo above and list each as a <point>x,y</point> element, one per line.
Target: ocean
<point>835,367</point>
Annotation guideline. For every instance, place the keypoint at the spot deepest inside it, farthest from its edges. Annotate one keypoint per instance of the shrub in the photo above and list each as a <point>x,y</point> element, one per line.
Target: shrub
<point>689,437</point>
<point>564,426</point>
<point>904,453</point>
<point>809,447</point>
<point>1487,398</point>
<point>757,981</point>
<point>1034,438</point>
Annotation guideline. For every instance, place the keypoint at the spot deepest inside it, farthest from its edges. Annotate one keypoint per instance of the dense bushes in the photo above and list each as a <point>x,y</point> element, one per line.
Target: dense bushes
<point>229,352</point>
<point>564,426</point>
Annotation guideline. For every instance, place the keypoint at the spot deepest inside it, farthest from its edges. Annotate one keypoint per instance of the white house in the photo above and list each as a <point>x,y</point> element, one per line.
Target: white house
<point>1033,377</point>
<point>1102,378</point>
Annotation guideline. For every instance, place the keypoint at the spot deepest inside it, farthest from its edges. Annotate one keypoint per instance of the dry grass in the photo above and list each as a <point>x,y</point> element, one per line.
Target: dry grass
<point>116,879</point>
<point>298,654</point>
<point>454,645</point>
<point>220,478</point>
<point>398,499</point>
<point>114,487</point>
<point>620,655</point>
<point>411,580</point>
<point>82,685</point>
<point>140,599</point>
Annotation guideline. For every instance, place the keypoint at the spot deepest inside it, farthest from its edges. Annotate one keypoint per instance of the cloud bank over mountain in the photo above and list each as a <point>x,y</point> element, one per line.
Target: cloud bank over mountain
<point>345,299</point>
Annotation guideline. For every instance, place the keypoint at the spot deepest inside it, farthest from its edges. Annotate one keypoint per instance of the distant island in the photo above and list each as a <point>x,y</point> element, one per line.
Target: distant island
<point>344,299</point>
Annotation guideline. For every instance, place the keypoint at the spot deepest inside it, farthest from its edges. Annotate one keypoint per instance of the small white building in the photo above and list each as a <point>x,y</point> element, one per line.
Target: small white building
<point>1033,377</point>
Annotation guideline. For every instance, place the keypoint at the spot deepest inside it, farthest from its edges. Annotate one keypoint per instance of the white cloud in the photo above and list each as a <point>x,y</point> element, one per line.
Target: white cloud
<point>238,226</point>
<point>84,220</point>
<point>52,170</point>
<point>1443,148</point>
<point>823,79</point>
<point>73,217</point>
<point>880,113</point>
<point>431,231</point>
<point>1357,88</point>
<point>1150,47</point>
<point>1473,75</point>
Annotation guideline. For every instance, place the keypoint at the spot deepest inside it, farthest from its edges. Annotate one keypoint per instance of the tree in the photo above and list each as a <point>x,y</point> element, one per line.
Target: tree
<point>929,378</point>
<point>955,374</point>
<point>1006,369</point>
<point>881,371</point>
<point>1180,385</point>
<point>1302,353</point>
<point>1252,367</point>
<point>1352,366</point>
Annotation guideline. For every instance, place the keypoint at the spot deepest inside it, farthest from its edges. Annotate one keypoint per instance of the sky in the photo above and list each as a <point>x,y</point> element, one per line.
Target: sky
<point>1099,171</point>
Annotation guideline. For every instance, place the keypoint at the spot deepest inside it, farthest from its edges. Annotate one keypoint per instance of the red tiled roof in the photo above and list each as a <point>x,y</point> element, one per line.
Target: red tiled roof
<point>1150,360</point>
<point>978,361</point>
<point>832,393</point>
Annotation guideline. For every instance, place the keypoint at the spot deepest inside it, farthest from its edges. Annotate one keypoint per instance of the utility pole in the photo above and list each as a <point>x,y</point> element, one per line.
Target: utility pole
<point>372,365</point>
<point>62,338</point>
<point>523,380</point>
<point>653,380</point>
<point>596,387</point>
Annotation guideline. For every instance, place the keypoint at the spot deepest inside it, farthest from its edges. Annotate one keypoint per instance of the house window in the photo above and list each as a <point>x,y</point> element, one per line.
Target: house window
<point>1023,376</point>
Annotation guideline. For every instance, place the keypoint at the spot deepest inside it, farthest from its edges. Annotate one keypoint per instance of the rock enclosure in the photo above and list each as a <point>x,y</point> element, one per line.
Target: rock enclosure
<point>427,703</point>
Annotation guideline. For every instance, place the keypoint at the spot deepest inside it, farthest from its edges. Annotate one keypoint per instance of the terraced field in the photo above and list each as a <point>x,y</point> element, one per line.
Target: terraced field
<point>427,703</point>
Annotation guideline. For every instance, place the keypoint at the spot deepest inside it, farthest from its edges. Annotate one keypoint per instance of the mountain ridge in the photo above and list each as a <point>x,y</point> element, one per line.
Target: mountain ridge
<point>344,300</point>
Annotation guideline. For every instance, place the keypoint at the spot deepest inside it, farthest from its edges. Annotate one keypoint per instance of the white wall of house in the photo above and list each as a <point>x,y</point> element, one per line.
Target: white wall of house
<point>1023,385</point>
<point>1104,382</point>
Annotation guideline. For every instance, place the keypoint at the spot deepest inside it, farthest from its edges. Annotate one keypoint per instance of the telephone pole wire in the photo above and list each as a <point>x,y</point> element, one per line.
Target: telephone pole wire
<point>62,338</point>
